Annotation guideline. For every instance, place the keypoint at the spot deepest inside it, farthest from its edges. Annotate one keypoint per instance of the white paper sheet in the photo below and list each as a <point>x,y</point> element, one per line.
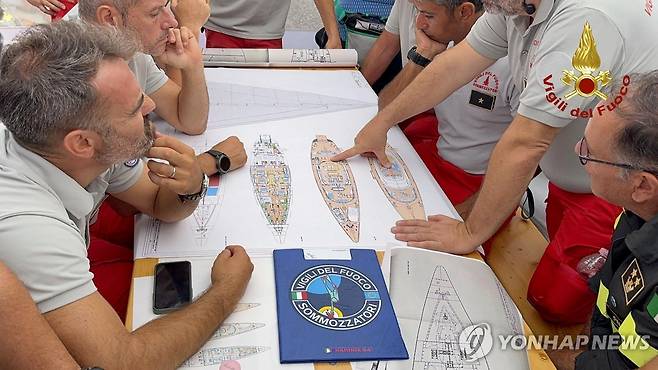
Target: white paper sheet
<point>436,296</point>
<point>236,217</point>
<point>252,332</point>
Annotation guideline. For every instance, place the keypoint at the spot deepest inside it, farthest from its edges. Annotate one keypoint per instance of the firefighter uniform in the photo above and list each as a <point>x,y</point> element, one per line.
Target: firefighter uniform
<point>626,311</point>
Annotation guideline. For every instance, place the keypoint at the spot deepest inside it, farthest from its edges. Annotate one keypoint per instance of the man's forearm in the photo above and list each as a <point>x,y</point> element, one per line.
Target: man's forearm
<point>193,100</point>
<point>437,81</point>
<point>169,208</point>
<point>328,16</point>
<point>511,167</point>
<point>401,81</point>
<point>177,336</point>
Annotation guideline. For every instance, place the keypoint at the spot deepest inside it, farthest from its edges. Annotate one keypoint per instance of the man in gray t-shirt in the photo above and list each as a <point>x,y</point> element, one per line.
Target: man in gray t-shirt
<point>563,55</point>
<point>75,119</point>
<point>260,23</point>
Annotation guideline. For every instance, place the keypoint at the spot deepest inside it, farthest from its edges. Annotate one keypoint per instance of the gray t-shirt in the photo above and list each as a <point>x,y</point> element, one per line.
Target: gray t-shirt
<point>249,19</point>
<point>473,118</point>
<point>543,55</point>
<point>150,77</point>
<point>44,222</point>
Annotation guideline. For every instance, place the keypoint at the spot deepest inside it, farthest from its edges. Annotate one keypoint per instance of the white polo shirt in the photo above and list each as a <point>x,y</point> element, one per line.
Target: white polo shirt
<point>473,118</point>
<point>44,222</point>
<point>150,77</point>
<point>249,19</point>
<point>542,54</point>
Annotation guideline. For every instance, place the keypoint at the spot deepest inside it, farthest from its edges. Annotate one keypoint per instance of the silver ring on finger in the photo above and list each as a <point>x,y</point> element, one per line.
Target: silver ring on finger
<point>46,7</point>
<point>173,172</point>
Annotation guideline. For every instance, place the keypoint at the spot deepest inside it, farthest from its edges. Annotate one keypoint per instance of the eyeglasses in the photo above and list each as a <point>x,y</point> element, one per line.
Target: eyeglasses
<point>583,155</point>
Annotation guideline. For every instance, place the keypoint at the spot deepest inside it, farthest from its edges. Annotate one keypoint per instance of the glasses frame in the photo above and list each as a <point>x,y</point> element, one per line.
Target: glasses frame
<point>585,157</point>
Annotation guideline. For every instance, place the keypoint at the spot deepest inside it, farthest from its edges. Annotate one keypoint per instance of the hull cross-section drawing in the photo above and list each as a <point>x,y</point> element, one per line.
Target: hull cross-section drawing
<point>270,178</point>
<point>444,318</point>
<point>398,185</point>
<point>336,184</point>
<point>207,211</point>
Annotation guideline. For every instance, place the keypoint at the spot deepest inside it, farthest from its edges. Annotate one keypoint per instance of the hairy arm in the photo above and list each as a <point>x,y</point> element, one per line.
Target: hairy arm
<point>511,167</point>
<point>94,335</point>
<point>28,341</point>
<point>437,81</point>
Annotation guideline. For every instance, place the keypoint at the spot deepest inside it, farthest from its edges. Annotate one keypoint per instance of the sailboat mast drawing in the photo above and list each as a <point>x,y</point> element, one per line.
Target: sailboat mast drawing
<point>206,210</point>
<point>270,178</point>
<point>398,185</point>
<point>336,184</point>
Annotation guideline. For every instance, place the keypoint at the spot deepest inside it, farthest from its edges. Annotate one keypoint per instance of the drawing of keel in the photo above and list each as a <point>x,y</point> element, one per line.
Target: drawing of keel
<point>336,184</point>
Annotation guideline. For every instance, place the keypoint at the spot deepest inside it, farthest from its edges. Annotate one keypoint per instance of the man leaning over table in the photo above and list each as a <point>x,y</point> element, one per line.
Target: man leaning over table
<point>75,120</point>
<point>563,54</point>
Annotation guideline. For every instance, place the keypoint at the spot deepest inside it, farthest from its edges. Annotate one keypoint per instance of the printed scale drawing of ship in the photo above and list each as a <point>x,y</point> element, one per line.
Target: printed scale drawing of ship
<point>270,177</point>
<point>336,184</point>
<point>217,355</point>
<point>443,319</point>
<point>206,210</point>
<point>398,185</point>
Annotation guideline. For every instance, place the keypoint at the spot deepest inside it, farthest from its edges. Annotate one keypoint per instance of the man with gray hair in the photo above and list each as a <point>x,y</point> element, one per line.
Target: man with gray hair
<point>75,120</point>
<point>619,151</point>
<point>183,105</point>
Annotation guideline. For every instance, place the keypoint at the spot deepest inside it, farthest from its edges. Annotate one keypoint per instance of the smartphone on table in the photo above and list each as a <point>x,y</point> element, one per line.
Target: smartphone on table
<point>172,287</point>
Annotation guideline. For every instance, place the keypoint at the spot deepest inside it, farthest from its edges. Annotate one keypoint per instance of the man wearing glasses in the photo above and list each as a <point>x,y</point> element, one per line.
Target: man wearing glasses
<point>619,151</point>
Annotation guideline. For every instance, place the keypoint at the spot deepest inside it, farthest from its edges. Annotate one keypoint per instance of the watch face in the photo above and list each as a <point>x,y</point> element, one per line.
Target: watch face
<point>224,164</point>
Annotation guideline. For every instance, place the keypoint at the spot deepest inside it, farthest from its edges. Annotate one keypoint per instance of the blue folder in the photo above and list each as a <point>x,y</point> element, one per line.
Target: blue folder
<point>334,310</point>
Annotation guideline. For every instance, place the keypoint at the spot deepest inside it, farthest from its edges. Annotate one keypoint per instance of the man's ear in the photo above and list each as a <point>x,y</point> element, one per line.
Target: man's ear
<point>465,11</point>
<point>645,188</point>
<point>82,144</point>
<point>109,16</point>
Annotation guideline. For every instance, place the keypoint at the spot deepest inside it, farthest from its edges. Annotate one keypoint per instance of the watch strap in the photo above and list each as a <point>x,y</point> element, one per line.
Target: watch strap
<point>418,59</point>
<point>222,161</point>
<point>196,196</point>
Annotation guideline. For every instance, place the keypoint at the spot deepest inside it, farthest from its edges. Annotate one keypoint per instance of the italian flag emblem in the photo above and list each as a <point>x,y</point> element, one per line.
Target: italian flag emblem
<point>296,296</point>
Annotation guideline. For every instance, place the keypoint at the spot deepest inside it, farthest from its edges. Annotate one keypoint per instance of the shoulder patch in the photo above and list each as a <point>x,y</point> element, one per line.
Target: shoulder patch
<point>632,281</point>
<point>482,100</point>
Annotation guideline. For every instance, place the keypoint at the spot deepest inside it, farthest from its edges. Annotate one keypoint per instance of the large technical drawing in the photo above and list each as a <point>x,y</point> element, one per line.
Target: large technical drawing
<point>233,104</point>
<point>270,178</point>
<point>337,185</point>
<point>443,319</point>
<point>216,355</point>
<point>398,185</point>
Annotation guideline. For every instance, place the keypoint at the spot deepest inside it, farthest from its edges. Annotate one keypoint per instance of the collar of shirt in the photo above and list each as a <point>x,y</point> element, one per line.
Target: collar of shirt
<point>642,239</point>
<point>75,198</point>
<point>543,12</point>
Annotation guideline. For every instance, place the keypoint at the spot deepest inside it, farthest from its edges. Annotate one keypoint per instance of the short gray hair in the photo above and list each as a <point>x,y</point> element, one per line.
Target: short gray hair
<point>87,8</point>
<point>453,4</point>
<point>637,142</point>
<point>46,78</point>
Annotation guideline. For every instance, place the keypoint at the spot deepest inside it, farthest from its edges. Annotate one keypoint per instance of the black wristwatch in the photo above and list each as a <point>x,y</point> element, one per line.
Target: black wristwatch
<point>222,161</point>
<point>196,196</point>
<point>415,57</point>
